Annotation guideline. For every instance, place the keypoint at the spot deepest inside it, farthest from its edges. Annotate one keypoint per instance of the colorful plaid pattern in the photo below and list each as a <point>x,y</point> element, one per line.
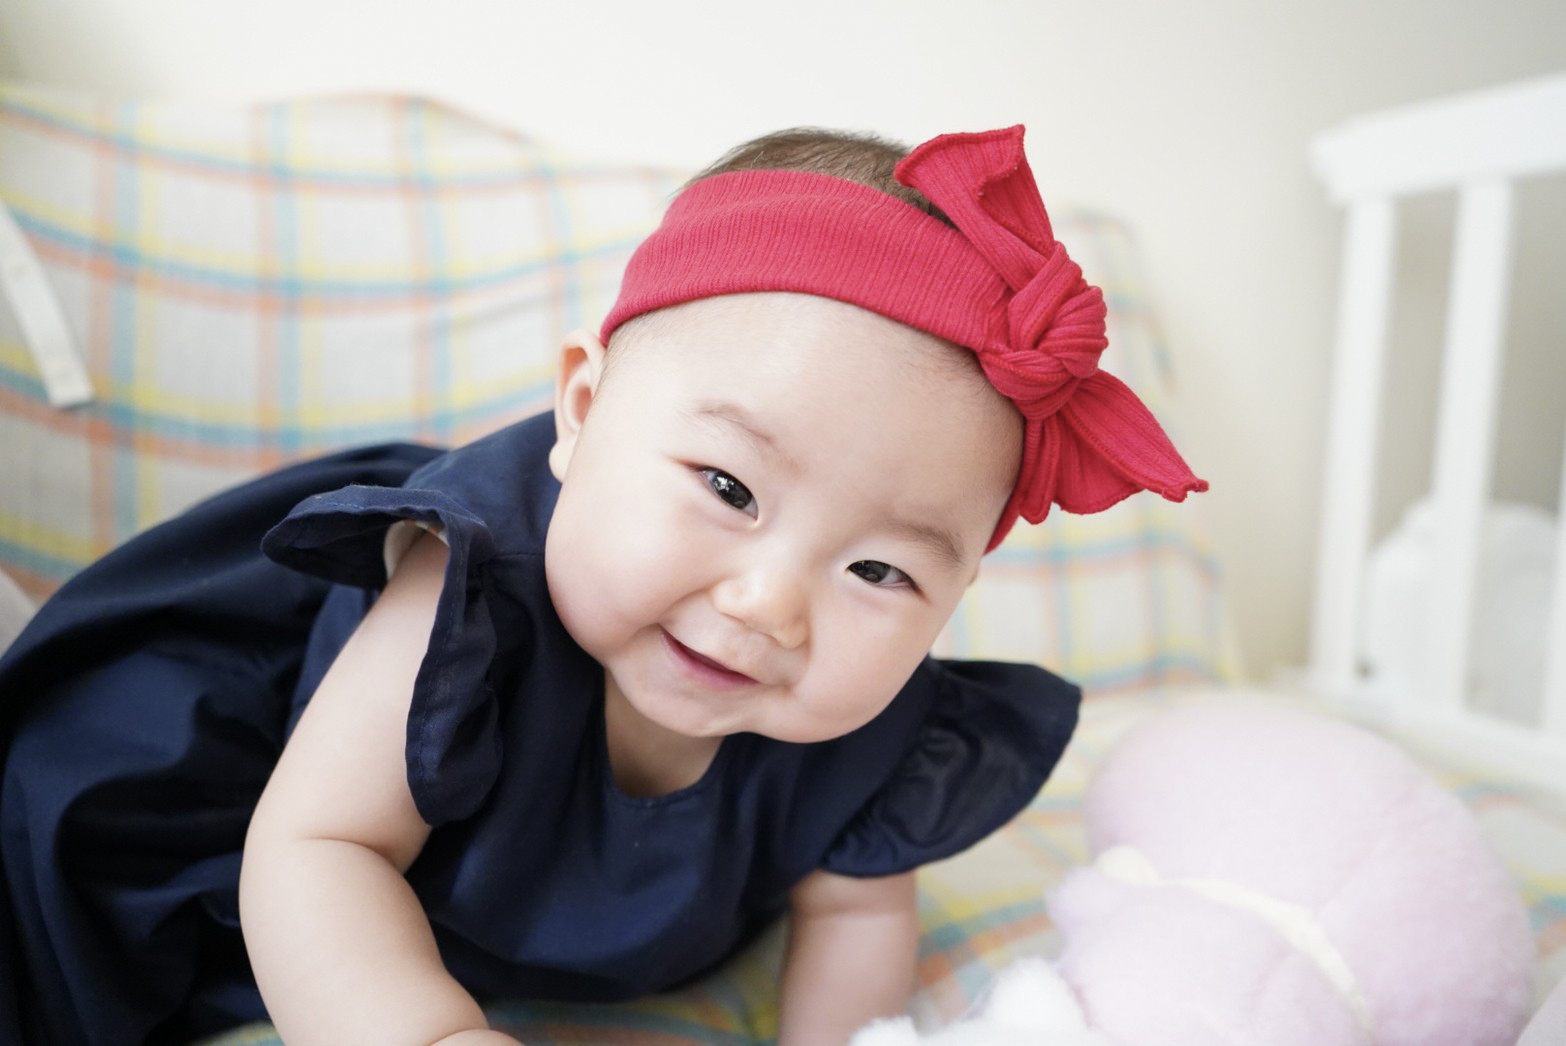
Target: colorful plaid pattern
<point>984,908</point>
<point>255,285</point>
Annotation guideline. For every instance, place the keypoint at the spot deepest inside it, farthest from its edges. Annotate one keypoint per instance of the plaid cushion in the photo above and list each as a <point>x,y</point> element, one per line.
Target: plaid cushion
<point>253,285</point>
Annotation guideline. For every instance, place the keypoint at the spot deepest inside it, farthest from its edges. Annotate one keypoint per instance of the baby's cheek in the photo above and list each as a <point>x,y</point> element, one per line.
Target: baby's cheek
<point>590,593</point>
<point>861,686</point>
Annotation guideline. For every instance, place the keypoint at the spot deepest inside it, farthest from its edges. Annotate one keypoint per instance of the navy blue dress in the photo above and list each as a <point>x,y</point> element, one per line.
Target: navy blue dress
<point>149,701</point>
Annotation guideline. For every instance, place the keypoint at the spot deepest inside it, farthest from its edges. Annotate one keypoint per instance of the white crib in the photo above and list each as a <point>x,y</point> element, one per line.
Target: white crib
<point>1478,146</point>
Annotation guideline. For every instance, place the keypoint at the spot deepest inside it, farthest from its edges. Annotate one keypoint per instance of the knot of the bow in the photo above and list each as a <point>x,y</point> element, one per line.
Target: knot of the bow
<point>1055,334</point>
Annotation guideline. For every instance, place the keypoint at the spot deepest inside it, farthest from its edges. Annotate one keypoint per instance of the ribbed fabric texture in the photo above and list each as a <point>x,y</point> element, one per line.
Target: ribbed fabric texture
<point>999,284</point>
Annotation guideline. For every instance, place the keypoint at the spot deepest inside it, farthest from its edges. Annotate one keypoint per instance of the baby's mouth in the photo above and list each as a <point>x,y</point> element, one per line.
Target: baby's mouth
<point>704,666</point>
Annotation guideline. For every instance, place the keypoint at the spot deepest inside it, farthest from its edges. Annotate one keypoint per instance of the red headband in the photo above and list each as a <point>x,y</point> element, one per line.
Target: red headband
<point>999,284</point>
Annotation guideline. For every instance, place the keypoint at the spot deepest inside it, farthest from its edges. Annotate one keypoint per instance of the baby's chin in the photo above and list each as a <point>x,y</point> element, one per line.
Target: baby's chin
<point>798,726</point>
<point>773,713</point>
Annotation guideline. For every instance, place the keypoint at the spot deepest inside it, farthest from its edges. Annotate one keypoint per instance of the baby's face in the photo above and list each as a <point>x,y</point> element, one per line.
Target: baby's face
<point>772,506</point>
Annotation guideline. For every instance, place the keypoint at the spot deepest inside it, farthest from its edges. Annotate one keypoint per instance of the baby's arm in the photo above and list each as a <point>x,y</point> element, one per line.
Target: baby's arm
<point>341,948</point>
<point>851,953</point>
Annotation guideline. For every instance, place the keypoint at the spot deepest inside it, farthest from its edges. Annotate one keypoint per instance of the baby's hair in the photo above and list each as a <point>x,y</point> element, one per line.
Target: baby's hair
<point>864,158</point>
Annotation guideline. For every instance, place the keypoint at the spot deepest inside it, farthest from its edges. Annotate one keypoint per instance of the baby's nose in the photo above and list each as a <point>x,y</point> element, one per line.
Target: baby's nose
<point>771,600</point>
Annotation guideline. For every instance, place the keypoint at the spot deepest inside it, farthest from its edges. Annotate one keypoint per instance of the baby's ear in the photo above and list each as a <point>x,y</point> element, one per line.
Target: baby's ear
<point>581,367</point>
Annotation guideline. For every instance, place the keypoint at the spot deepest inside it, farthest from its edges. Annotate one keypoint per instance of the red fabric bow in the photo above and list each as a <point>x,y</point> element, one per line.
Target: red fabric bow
<point>999,284</point>
<point>1088,441</point>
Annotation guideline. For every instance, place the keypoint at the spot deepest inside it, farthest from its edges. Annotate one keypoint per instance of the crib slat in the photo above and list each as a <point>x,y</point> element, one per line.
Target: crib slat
<point>1553,704</point>
<point>1363,304</point>
<point>1466,431</point>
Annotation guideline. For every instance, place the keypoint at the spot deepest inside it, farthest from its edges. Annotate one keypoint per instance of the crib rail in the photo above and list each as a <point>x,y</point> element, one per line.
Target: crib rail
<point>1475,145</point>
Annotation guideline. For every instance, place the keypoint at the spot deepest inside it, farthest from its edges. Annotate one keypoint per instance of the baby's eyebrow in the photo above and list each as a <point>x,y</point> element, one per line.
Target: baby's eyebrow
<point>737,418</point>
<point>937,539</point>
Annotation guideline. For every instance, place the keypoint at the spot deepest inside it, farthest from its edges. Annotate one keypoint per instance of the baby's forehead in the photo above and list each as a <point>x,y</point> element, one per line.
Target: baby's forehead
<point>737,319</point>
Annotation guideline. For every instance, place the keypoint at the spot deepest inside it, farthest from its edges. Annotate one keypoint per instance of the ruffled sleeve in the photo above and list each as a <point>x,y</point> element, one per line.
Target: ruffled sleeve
<point>453,743</point>
<point>991,736</point>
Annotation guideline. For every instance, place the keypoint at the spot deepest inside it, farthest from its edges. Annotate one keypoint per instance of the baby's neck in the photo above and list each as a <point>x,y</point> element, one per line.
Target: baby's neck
<point>646,759</point>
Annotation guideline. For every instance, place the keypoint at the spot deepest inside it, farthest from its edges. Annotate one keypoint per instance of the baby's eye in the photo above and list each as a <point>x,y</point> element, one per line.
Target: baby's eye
<point>732,492</point>
<point>880,574</point>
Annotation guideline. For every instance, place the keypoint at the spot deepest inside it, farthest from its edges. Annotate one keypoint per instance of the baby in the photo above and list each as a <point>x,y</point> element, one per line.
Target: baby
<point>578,709</point>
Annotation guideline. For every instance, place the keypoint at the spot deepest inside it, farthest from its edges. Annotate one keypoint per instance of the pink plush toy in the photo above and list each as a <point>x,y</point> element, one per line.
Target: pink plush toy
<point>1269,876</point>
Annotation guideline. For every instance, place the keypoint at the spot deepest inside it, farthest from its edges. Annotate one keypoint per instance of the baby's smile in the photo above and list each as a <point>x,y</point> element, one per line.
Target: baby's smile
<point>703,668</point>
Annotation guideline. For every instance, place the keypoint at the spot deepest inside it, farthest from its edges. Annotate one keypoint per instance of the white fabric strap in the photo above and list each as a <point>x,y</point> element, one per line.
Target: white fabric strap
<point>1295,923</point>
<point>40,318</point>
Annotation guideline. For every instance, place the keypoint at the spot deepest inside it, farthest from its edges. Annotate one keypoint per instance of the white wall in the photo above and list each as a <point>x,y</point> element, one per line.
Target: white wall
<point>1190,118</point>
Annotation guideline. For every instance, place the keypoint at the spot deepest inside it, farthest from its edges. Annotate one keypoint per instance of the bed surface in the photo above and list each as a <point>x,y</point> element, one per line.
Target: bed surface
<point>984,908</point>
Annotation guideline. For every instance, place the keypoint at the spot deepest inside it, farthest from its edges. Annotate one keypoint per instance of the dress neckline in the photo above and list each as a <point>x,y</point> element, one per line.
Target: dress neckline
<point>610,782</point>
